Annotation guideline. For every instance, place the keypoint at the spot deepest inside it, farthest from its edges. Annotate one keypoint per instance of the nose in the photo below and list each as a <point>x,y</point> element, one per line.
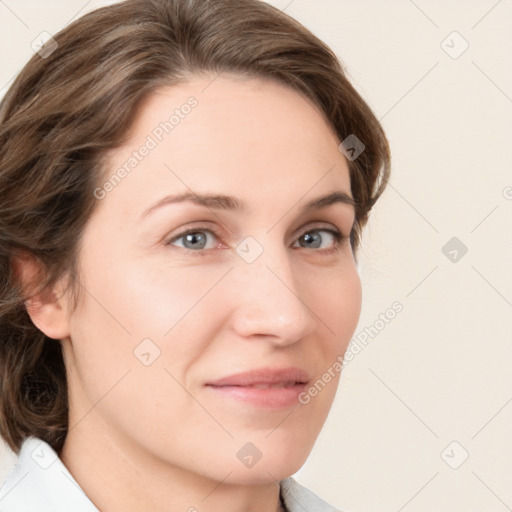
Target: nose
<point>269,300</point>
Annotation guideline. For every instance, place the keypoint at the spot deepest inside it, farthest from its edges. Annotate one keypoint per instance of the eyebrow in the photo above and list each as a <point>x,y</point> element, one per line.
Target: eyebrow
<point>231,203</point>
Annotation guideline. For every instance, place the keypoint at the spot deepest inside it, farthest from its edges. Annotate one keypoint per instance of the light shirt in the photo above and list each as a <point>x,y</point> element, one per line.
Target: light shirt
<point>40,482</point>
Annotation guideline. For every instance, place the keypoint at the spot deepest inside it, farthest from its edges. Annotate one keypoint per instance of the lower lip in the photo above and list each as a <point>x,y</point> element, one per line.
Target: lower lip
<point>270,398</point>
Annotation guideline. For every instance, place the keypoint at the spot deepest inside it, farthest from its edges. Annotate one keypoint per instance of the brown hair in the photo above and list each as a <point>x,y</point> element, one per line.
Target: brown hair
<point>63,112</point>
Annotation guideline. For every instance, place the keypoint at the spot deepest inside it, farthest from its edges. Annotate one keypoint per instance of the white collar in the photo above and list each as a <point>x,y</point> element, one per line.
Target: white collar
<point>41,482</point>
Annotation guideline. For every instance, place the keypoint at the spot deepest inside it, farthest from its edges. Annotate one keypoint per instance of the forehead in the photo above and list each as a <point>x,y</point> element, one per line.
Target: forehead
<point>241,136</point>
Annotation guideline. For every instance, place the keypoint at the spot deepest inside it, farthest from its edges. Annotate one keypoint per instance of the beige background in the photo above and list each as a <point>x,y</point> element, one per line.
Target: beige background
<point>440,370</point>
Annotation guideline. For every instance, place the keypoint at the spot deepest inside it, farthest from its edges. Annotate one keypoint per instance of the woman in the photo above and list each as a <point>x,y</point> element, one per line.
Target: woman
<point>184,185</point>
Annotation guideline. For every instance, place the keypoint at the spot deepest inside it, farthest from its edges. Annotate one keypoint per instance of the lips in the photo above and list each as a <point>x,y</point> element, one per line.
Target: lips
<point>263,388</point>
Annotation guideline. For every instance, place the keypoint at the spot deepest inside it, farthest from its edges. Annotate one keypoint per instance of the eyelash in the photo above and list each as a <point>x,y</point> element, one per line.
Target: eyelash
<point>338,237</point>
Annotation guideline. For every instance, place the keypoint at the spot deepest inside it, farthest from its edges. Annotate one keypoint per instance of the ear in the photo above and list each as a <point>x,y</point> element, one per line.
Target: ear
<point>47,309</point>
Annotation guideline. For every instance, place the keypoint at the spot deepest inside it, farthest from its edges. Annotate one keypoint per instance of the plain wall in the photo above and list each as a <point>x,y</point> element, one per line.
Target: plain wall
<point>439,371</point>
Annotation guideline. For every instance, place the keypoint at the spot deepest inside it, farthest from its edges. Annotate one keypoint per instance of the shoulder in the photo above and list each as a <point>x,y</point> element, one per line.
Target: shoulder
<point>298,498</point>
<point>40,482</point>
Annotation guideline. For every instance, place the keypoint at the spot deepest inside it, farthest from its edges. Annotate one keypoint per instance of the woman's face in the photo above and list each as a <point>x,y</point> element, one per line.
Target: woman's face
<point>263,287</point>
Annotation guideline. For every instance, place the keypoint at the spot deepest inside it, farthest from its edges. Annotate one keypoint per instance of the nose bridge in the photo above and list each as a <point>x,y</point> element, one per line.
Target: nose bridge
<point>269,301</point>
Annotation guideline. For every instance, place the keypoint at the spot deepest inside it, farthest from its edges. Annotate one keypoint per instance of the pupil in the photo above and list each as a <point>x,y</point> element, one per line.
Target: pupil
<point>192,237</point>
<point>308,237</point>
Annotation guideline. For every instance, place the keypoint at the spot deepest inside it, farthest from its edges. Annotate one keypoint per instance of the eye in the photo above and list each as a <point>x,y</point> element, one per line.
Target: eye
<point>313,240</point>
<point>195,240</point>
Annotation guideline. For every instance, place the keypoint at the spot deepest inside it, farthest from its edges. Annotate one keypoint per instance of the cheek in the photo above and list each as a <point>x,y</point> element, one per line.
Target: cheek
<point>336,303</point>
<point>123,361</point>
<point>146,300</point>
<point>146,329</point>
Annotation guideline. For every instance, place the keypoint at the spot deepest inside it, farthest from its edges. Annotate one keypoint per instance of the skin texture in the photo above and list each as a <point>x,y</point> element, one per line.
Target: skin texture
<point>153,437</point>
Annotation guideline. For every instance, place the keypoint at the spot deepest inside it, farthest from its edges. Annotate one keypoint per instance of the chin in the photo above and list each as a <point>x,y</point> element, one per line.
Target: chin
<point>276,462</point>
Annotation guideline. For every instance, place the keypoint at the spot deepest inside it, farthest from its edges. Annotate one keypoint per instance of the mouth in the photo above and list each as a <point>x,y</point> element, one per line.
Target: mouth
<point>264,388</point>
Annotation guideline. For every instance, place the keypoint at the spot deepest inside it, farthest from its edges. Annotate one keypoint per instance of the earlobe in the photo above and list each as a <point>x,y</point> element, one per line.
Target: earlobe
<point>48,315</point>
<point>46,308</point>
